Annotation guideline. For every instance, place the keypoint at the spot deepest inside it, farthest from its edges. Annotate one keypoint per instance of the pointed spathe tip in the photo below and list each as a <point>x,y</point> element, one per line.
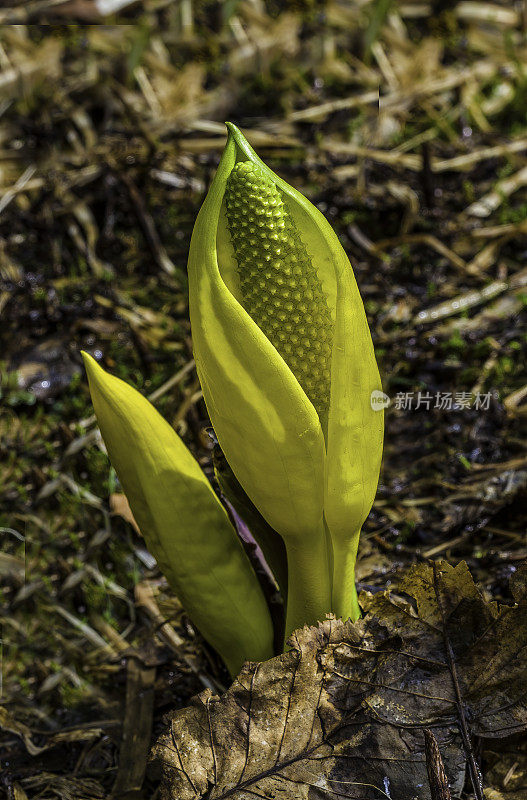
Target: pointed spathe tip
<point>241,142</point>
<point>90,364</point>
<point>98,379</point>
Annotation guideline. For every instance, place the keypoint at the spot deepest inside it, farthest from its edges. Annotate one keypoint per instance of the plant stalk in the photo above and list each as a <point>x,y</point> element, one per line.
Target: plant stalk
<point>344,596</point>
<point>309,583</point>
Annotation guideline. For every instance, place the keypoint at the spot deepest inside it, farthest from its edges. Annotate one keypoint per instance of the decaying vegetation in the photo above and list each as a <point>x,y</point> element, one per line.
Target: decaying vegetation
<point>406,124</point>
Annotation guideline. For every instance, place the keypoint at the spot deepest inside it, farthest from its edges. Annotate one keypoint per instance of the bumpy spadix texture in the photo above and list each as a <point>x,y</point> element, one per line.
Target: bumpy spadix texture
<point>279,285</point>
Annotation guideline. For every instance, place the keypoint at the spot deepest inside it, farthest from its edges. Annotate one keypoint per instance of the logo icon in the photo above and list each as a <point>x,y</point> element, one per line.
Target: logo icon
<point>379,400</point>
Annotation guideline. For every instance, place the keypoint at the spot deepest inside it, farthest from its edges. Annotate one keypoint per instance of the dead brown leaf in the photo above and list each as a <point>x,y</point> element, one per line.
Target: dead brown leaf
<point>120,506</point>
<point>343,713</point>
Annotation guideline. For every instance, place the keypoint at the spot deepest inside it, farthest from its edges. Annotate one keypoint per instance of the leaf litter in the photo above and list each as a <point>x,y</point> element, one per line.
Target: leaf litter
<point>397,120</point>
<point>344,712</point>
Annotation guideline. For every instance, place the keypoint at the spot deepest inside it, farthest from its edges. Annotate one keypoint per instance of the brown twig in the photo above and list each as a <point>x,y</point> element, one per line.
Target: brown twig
<point>137,728</point>
<point>475,772</point>
<point>437,778</point>
<point>147,225</point>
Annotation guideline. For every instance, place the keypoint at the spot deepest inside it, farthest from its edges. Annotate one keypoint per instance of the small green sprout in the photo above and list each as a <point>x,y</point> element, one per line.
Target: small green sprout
<point>185,526</point>
<point>286,363</point>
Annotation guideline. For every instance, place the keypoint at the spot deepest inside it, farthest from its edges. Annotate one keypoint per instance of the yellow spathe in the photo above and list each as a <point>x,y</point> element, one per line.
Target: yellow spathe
<point>184,525</point>
<point>310,467</point>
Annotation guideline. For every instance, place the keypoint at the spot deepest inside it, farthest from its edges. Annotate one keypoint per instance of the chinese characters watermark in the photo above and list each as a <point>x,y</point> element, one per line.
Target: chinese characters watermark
<point>444,401</point>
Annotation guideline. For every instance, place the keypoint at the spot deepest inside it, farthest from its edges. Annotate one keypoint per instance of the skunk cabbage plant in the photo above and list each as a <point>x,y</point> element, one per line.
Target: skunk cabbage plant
<point>184,524</point>
<point>286,363</point>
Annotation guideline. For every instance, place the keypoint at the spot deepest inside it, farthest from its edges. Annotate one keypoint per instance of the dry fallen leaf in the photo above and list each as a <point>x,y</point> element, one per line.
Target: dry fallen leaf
<point>120,506</point>
<point>343,713</point>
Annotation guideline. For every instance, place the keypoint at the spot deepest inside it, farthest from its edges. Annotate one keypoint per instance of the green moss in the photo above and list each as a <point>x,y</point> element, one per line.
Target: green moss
<point>405,533</point>
<point>431,289</point>
<point>455,343</point>
<point>464,460</point>
<point>72,696</point>
<point>96,597</point>
<point>514,215</point>
<point>469,191</point>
